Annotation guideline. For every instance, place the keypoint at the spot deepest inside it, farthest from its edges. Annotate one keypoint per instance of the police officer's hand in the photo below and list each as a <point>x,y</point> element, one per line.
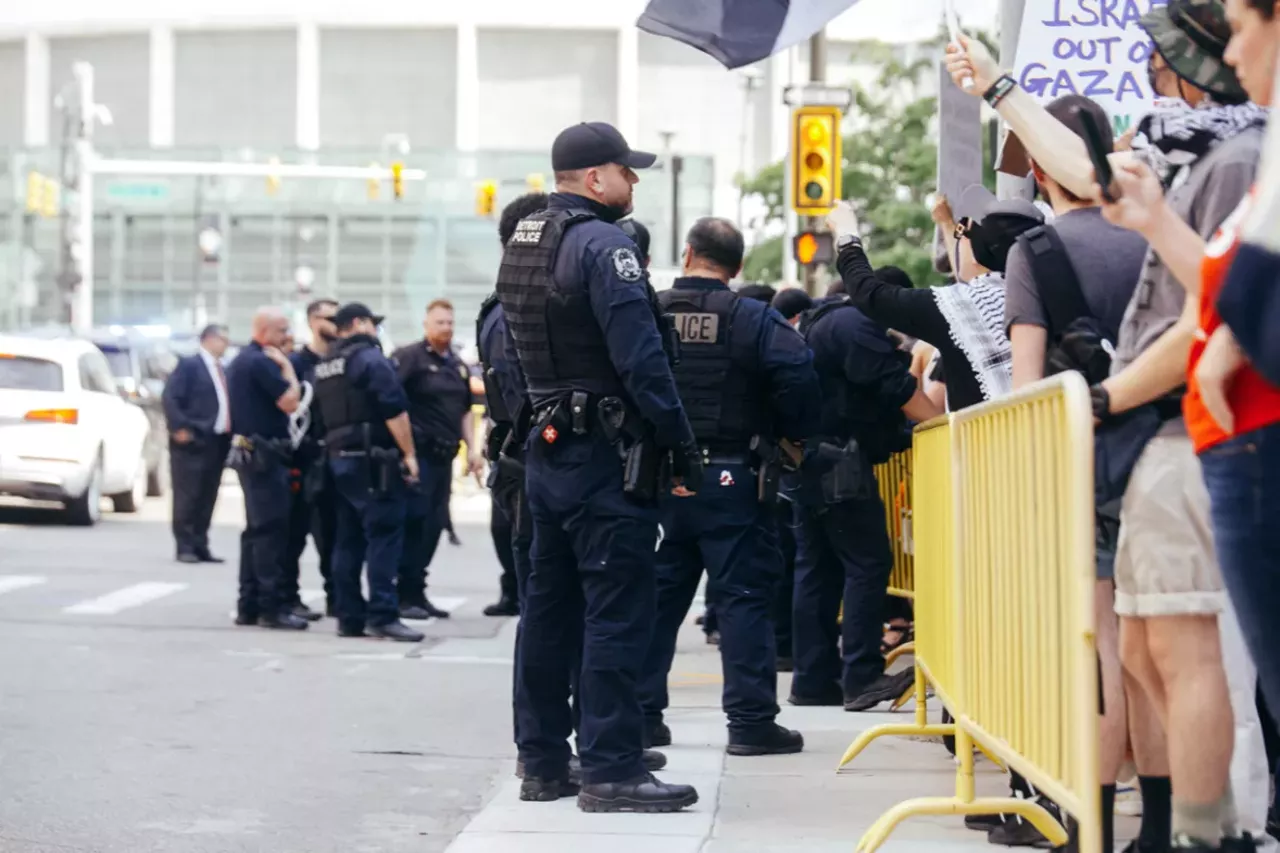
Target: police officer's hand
<point>475,464</point>
<point>277,356</point>
<point>410,465</point>
<point>843,220</point>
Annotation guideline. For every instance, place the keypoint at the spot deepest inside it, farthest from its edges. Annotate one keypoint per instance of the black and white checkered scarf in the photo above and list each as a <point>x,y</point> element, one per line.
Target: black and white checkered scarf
<point>1172,138</point>
<point>974,310</point>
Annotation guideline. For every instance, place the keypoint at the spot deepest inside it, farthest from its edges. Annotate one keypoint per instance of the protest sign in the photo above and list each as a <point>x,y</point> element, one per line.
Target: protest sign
<point>1094,48</point>
<point>959,138</point>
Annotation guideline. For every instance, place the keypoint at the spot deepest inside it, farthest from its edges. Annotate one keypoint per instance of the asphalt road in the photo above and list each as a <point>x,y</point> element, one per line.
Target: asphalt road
<point>135,717</point>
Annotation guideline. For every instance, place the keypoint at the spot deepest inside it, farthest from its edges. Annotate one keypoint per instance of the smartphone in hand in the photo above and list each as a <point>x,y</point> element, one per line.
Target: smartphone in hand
<point>1098,152</point>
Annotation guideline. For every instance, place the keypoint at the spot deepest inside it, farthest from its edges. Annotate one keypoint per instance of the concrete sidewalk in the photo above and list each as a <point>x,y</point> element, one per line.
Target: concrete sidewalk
<point>772,804</point>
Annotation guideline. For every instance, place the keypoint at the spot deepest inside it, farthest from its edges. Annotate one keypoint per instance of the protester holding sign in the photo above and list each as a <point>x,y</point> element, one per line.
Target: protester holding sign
<point>1169,591</point>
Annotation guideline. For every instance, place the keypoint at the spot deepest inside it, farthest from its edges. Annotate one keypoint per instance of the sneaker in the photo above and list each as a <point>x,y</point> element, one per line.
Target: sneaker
<point>643,794</point>
<point>886,688</point>
<point>982,822</point>
<point>1128,799</point>
<point>773,740</point>
<point>1018,833</point>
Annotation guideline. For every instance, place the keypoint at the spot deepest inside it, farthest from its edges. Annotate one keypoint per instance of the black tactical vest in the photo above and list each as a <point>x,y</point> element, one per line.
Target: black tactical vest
<point>839,403</point>
<point>342,406</point>
<point>492,394</point>
<point>724,401</point>
<point>561,346</point>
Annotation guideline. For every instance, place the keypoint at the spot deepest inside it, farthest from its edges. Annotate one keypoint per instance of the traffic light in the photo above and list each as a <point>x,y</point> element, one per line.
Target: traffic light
<point>815,160</point>
<point>536,182</point>
<point>42,195</point>
<point>813,248</point>
<point>273,180</point>
<point>486,198</point>
<point>397,180</point>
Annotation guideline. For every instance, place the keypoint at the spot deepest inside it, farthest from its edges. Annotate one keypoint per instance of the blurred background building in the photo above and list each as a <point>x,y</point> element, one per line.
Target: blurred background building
<point>472,93</point>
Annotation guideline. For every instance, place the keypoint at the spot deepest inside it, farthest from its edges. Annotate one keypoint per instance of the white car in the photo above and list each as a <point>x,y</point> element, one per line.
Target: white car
<point>66,433</point>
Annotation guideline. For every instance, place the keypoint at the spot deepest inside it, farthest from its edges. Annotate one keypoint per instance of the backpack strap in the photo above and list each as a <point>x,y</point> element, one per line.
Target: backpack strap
<point>1055,277</point>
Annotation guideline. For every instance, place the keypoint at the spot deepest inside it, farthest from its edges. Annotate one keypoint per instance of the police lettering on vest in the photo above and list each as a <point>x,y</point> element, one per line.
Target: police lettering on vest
<point>723,400</point>
<point>344,407</point>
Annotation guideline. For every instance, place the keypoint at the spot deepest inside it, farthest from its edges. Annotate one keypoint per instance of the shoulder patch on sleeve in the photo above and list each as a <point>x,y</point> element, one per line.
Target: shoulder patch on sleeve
<point>627,265</point>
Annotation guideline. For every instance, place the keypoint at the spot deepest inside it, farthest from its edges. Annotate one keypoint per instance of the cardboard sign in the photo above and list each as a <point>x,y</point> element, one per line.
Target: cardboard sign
<point>959,138</point>
<point>1093,48</point>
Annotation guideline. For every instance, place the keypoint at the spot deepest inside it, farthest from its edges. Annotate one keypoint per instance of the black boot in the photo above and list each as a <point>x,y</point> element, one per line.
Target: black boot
<point>1018,833</point>
<point>831,696</point>
<point>302,611</point>
<point>505,606</point>
<point>284,622</point>
<point>397,631</point>
<point>644,794</point>
<point>350,629</point>
<point>773,740</point>
<point>886,688</point>
<point>983,822</point>
<point>656,734</point>
<point>414,611</point>
<point>433,611</point>
<point>653,760</point>
<point>535,790</point>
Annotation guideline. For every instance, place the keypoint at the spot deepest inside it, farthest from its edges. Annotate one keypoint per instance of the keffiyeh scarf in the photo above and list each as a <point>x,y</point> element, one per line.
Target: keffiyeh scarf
<point>975,313</point>
<point>1174,137</point>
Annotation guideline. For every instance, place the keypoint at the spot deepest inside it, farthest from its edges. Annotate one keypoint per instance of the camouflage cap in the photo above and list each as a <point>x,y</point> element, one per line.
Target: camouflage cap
<point>1192,36</point>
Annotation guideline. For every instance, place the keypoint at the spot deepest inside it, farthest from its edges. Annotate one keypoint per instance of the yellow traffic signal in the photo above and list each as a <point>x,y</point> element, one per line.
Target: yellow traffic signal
<point>536,182</point>
<point>273,180</point>
<point>486,198</point>
<point>816,169</point>
<point>42,195</point>
<point>813,247</point>
<point>397,179</point>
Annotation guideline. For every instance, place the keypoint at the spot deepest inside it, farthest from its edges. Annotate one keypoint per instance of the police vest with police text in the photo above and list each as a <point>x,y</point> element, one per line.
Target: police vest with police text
<point>561,346</point>
<point>343,406</point>
<point>724,401</point>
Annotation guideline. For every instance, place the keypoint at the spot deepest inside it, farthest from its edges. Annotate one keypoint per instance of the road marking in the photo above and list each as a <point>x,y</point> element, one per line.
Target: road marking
<point>8,583</point>
<point>123,599</point>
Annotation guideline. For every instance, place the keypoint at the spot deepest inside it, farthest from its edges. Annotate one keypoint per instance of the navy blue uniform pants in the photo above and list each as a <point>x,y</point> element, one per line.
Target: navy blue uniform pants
<point>591,584</point>
<point>726,530</point>
<point>315,516</point>
<point>426,517</point>
<point>784,516</point>
<point>264,540</point>
<point>842,554</point>
<point>370,531</point>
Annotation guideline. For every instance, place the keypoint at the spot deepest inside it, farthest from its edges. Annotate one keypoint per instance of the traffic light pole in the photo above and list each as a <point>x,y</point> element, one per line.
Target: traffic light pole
<point>817,74</point>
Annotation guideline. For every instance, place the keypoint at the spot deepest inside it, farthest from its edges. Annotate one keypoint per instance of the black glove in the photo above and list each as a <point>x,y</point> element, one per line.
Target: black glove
<point>686,464</point>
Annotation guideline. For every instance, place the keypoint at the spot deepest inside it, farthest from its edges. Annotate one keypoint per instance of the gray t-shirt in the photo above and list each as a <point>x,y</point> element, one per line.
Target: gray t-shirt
<point>1209,193</point>
<point>1107,261</point>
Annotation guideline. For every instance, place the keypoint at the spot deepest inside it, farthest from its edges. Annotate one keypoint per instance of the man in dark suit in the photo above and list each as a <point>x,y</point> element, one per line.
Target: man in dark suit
<point>199,417</point>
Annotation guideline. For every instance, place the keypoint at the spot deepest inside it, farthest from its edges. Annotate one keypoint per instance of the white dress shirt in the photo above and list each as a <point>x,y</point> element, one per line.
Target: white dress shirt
<point>222,423</point>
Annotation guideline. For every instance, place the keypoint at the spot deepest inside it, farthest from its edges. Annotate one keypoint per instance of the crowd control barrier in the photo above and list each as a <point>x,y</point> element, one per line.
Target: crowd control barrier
<point>1002,497</point>
<point>894,479</point>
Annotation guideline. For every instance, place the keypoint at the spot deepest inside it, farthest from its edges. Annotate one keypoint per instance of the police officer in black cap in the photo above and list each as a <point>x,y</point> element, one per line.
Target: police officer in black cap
<point>747,381</point>
<point>371,458</point>
<point>590,339</point>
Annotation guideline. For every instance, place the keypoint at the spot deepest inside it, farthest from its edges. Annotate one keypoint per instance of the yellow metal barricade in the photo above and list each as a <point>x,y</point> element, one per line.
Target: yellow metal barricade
<point>894,479</point>
<point>1003,531</point>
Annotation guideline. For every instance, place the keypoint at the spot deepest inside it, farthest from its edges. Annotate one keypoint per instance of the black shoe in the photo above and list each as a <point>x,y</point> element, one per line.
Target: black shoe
<point>207,557</point>
<point>331,610</point>
<point>701,620</point>
<point>351,629</point>
<point>656,734</point>
<point>774,740</point>
<point>1273,824</point>
<point>653,760</point>
<point>713,638</point>
<point>1139,846</point>
<point>833,697</point>
<point>785,665</point>
<point>505,606</point>
<point>886,688</point>
<point>305,613</point>
<point>982,822</point>
<point>414,611</point>
<point>1018,833</point>
<point>433,611</point>
<point>535,790</point>
<point>283,622</point>
<point>188,558</point>
<point>453,539</point>
<point>397,631</point>
<point>644,794</point>
<point>1242,844</point>
<point>246,619</point>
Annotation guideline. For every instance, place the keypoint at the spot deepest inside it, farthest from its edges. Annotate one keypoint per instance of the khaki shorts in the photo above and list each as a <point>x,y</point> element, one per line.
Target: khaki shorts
<point>1165,562</point>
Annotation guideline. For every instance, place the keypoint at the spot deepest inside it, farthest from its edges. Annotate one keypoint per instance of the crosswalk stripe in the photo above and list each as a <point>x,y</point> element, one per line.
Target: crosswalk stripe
<point>8,583</point>
<point>123,599</point>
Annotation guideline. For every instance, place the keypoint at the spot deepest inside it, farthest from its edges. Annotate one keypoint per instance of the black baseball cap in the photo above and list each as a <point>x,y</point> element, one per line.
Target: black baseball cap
<point>594,143</point>
<point>353,311</point>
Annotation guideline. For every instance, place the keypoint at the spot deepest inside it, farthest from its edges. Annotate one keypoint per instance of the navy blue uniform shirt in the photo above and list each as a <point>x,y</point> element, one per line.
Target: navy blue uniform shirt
<point>439,390</point>
<point>370,371</point>
<point>254,383</point>
<point>499,349</point>
<point>768,347</point>
<point>850,348</point>
<point>622,308</point>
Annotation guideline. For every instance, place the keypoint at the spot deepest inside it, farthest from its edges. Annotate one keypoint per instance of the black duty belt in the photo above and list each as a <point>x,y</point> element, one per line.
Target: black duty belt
<point>720,455</point>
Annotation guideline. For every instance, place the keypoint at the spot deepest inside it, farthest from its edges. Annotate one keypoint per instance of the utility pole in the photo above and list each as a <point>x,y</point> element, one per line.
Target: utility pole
<point>817,74</point>
<point>80,114</point>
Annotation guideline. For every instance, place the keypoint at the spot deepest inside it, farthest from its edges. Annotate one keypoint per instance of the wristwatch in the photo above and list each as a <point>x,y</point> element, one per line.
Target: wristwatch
<point>843,240</point>
<point>1101,399</point>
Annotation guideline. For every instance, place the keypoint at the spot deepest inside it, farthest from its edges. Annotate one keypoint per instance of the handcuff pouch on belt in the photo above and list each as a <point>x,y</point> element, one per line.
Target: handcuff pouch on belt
<point>642,461</point>
<point>842,472</point>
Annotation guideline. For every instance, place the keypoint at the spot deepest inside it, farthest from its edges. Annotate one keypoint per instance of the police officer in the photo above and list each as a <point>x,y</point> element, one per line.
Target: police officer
<point>369,443</point>
<point>746,379</point>
<point>263,391</point>
<point>439,389</point>
<point>312,512</point>
<point>587,330</point>
<point>842,541</point>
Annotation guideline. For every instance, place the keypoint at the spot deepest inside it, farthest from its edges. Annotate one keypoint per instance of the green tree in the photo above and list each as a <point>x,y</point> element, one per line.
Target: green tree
<point>890,163</point>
